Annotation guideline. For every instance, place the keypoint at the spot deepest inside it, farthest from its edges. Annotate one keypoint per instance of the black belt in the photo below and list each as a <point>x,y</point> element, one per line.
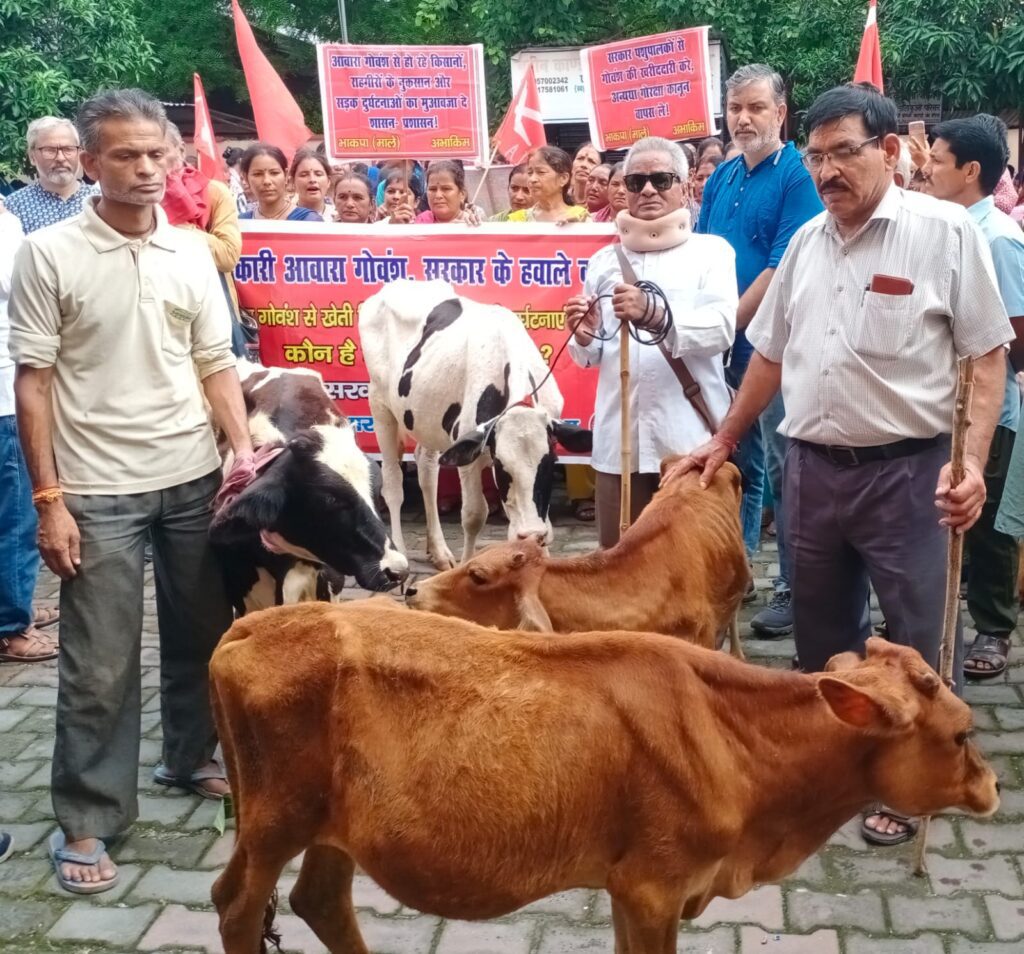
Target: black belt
<point>851,456</point>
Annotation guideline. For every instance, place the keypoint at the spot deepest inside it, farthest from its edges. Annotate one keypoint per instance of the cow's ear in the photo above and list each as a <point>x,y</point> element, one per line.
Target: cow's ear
<point>578,440</point>
<point>467,449</point>
<point>533,618</point>
<point>859,707</point>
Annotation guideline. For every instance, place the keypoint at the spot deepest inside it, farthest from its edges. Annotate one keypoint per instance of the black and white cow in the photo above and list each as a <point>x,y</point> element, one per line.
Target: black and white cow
<point>461,379</point>
<point>310,517</point>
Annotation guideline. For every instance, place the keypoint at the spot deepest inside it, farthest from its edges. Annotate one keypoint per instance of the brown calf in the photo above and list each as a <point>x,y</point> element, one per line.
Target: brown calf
<point>470,771</point>
<point>681,570</point>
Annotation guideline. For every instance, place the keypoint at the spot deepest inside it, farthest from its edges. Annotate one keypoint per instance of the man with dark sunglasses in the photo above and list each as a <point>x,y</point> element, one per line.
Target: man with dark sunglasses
<point>756,202</point>
<point>696,315</point>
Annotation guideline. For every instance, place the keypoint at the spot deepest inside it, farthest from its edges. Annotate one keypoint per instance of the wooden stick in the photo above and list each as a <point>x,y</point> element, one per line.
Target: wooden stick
<point>626,434</point>
<point>954,562</point>
<point>483,177</point>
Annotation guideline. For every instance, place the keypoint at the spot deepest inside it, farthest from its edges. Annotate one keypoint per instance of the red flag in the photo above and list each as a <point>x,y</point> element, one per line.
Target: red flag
<point>279,119</point>
<point>869,63</point>
<point>522,129</point>
<point>203,140</point>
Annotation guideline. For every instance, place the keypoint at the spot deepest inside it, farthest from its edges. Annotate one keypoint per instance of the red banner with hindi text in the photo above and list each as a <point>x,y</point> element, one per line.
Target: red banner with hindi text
<point>649,86</point>
<point>304,285</point>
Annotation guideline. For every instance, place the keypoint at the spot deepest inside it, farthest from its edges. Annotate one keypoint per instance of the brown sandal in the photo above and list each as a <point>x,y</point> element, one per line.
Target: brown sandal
<point>45,616</point>
<point>38,647</point>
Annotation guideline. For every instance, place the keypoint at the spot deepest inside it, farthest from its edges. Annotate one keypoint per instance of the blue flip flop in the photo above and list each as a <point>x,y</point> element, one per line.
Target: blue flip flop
<point>60,855</point>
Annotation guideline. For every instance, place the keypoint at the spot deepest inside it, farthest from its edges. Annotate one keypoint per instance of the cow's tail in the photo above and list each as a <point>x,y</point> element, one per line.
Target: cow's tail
<point>270,933</point>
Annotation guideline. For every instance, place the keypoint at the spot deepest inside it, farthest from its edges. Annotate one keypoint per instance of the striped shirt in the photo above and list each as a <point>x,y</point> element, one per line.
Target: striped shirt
<point>859,367</point>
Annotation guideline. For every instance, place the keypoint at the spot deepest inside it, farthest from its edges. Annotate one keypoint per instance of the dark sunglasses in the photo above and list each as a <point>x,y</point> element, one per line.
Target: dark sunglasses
<point>662,181</point>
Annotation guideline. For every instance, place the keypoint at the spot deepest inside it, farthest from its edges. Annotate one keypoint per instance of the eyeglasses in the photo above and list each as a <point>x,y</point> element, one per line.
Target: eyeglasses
<point>662,181</point>
<point>840,156</point>
<point>51,152</point>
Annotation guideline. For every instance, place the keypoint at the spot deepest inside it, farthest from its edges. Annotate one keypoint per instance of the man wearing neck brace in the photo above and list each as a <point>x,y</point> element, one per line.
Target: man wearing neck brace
<point>697,274</point>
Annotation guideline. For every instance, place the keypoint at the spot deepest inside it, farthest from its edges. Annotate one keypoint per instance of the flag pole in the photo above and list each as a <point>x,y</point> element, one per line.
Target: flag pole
<point>483,177</point>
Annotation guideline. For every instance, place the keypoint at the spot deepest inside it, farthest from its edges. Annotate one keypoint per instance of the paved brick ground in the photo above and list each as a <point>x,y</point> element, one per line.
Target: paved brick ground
<point>848,899</point>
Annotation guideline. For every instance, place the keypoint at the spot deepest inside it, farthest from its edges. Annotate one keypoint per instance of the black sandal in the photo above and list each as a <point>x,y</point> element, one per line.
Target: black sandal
<point>993,650</point>
<point>883,838</point>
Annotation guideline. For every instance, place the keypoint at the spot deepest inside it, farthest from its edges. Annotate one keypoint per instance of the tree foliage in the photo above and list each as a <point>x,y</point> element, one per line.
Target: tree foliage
<point>55,53</point>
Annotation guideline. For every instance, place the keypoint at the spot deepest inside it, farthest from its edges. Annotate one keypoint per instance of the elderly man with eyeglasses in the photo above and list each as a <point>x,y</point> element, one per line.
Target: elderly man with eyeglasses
<point>693,313</point>
<point>873,304</point>
<point>57,193</point>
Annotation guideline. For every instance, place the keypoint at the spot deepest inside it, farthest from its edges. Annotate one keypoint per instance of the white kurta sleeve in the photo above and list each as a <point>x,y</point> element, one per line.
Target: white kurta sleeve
<point>705,324</point>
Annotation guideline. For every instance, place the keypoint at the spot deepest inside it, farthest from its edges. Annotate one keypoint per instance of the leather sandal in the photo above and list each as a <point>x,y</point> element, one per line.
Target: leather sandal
<point>38,647</point>
<point>45,616</point>
<point>194,782</point>
<point>882,838</point>
<point>993,650</point>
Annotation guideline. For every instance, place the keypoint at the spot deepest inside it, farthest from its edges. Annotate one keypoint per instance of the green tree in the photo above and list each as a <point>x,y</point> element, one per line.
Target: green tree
<point>55,53</point>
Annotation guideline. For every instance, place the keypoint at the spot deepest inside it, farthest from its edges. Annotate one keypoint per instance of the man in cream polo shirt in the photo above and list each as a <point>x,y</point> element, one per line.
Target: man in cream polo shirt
<point>113,316</point>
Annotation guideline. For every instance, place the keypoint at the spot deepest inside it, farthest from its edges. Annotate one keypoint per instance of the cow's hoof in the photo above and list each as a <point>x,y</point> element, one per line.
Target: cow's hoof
<point>442,560</point>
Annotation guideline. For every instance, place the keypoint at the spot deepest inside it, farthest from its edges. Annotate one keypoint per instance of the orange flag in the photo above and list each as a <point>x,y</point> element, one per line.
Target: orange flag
<point>203,140</point>
<point>869,63</point>
<point>279,119</point>
<point>522,129</point>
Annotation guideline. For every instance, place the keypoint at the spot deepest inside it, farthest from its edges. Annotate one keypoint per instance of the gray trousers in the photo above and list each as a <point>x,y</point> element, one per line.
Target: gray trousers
<point>96,752</point>
<point>848,525</point>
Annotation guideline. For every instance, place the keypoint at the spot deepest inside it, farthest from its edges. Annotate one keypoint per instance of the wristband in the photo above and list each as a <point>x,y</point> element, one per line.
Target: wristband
<point>726,441</point>
<point>46,495</point>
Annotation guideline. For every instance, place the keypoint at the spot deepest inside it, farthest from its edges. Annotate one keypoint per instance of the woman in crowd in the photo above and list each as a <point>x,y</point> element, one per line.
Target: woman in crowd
<point>353,199</point>
<point>400,198</point>
<point>583,163</point>
<point>447,199</point>
<point>266,173</point>
<point>232,159</point>
<point>310,177</point>
<point>701,174</point>
<point>597,193</point>
<point>550,170</point>
<point>519,196</point>
<point>712,145</point>
<point>616,191</point>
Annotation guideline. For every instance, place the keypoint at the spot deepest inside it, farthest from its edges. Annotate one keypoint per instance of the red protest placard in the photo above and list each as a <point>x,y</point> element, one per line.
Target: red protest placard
<point>650,86</point>
<point>304,285</point>
<point>403,102</point>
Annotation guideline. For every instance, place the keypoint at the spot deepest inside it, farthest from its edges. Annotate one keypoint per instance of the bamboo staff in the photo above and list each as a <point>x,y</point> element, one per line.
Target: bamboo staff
<point>627,466</point>
<point>954,561</point>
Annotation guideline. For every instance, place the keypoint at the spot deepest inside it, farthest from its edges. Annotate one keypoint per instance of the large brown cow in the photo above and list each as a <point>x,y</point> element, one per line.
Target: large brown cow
<point>681,569</point>
<point>471,771</point>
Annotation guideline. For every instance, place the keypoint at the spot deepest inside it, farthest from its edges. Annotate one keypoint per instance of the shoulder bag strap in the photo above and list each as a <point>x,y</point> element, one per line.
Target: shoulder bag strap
<point>691,389</point>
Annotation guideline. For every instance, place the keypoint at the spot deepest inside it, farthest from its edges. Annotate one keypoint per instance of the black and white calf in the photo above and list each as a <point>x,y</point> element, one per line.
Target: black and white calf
<point>310,517</point>
<point>457,377</point>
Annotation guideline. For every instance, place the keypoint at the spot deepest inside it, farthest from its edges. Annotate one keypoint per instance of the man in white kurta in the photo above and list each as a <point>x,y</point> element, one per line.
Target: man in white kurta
<point>697,274</point>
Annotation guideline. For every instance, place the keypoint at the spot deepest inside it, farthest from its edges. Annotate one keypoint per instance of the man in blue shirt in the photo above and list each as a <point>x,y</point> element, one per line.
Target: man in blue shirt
<point>967,158</point>
<point>58,193</point>
<point>756,202</point>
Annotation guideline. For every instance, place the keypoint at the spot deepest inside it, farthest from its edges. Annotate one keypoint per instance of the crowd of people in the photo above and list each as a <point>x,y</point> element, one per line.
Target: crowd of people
<point>802,314</point>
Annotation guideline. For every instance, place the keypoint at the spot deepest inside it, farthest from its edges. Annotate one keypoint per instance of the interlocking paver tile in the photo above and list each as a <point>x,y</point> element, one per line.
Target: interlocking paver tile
<point>849,898</point>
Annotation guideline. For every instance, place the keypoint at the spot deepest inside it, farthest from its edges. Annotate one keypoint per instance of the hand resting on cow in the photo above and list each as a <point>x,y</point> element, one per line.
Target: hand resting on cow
<point>470,772</point>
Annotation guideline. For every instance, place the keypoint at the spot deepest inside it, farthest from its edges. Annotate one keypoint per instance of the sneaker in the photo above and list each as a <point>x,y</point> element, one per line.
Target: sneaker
<point>776,619</point>
<point>6,845</point>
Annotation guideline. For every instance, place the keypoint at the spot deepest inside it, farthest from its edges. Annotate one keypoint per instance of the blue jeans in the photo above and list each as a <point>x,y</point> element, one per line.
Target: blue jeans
<point>749,458</point>
<point>774,457</point>
<point>19,556</point>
